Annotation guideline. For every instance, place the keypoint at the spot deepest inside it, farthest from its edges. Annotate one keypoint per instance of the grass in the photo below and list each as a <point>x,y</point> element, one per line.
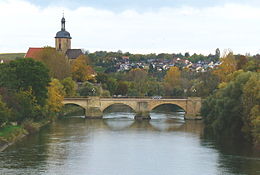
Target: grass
<point>11,133</point>
<point>11,56</point>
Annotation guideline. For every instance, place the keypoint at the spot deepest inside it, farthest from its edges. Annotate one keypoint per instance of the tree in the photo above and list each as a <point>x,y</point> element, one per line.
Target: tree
<point>26,74</point>
<point>69,87</point>
<point>26,106</point>
<point>251,107</point>
<point>187,54</point>
<point>227,66</point>
<point>139,84</point>
<point>80,69</point>
<point>234,109</point>
<point>137,74</point>
<point>173,77</point>
<point>5,113</point>
<point>241,61</point>
<point>89,89</point>
<point>55,97</point>
<point>57,62</point>
<point>122,88</point>
<point>101,78</point>
<point>111,85</point>
<point>217,53</point>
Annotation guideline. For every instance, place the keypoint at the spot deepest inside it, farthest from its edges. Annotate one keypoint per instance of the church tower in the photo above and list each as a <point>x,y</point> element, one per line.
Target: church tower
<point>62,38</point>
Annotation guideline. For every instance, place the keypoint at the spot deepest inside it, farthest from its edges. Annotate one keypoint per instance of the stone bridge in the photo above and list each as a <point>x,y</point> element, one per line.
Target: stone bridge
<point>94,106</point>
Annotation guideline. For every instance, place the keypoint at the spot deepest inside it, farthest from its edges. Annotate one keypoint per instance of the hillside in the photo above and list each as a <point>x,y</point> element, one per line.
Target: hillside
<point>11,56</point>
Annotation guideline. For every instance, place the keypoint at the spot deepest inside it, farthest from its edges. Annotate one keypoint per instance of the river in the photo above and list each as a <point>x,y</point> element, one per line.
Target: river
<point>119,145</point>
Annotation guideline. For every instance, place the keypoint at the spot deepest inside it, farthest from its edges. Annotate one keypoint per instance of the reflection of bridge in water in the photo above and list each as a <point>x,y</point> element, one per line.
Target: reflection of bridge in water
<point>94,106</point>
<point>169,125</point>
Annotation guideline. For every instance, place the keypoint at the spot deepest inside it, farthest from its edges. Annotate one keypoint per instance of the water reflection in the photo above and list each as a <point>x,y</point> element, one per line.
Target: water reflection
<point>167,144</point>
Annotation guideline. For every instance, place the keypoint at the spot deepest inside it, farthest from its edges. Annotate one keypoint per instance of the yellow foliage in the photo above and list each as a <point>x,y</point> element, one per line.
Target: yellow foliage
<point>227,66</point>
<point>222,85</point>
<point>55,96</point>
<point>80,69</point>
<point>173,77</point>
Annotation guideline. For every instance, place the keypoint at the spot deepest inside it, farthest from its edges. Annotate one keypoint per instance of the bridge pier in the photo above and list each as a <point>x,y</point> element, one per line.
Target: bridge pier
<point>93,113</point>
<point>145,115</point>
<point>142,111</point>
<point>193,109</point>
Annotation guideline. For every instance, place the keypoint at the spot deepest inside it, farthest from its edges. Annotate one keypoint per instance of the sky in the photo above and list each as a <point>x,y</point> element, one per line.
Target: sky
<point>136,26</point>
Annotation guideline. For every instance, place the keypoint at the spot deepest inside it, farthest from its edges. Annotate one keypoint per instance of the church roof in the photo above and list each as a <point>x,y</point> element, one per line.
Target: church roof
<point>74,53</point>
<point>33,52</point>
<point>63,34</point>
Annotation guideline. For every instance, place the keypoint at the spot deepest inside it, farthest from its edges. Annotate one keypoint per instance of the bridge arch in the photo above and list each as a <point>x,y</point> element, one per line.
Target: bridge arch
<point>180,105</point>
<point>76,104</point>
<point>72,110</point>
<point>107,105</point>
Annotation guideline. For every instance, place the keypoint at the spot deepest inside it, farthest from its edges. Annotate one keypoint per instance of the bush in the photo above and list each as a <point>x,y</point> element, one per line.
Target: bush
<point>30,126</point>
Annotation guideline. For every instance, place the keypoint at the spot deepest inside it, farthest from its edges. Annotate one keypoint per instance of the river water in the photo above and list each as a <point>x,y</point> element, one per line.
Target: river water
<point>119,145</point>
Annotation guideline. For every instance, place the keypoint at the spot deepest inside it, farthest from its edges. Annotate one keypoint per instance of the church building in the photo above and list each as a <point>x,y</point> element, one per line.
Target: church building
<point>62,44</point>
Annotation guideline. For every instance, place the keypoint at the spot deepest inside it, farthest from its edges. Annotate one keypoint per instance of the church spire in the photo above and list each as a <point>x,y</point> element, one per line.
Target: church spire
<point>63,23</point>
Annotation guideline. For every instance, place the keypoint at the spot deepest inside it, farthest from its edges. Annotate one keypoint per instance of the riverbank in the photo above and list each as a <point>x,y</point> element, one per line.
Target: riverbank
<point>10,134</point>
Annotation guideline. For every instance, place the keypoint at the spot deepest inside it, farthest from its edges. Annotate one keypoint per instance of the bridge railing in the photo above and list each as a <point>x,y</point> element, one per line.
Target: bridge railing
<point>135,97</point>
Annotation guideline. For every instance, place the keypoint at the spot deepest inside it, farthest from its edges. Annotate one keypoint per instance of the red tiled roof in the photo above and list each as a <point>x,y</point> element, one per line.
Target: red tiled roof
<point>32,52</point>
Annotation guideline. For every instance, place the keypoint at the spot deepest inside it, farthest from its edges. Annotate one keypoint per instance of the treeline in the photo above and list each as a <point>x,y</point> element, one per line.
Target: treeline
<point>233,110</point>
<point>27,92</point>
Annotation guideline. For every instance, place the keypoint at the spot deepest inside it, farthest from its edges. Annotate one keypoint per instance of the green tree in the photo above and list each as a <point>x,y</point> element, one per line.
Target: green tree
<point>89,89</point>
<point>5,113</point>
<point>251,107</point>
<point>233,109</point>
<point>26,74</point>
<point>69,86</point>
<point>122,88</point>
<point>112,85</point>
<point>26,107</point>
<point>217,54</point>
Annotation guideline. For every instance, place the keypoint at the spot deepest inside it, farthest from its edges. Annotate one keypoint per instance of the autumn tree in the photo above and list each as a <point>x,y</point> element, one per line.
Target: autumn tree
<point>241,61</point>
<point>55,97</point>
<point>172,82</point>
<point>80,69</point>
<point>173,77</point>
<point>227,66</point>
<point>57,62</point>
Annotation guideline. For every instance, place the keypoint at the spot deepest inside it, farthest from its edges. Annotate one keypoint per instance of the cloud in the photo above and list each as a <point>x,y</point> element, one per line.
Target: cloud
<point>168,29</point>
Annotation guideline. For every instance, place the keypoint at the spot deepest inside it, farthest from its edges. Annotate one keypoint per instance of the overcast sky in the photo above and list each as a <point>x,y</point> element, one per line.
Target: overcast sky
<point>137,26</point>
